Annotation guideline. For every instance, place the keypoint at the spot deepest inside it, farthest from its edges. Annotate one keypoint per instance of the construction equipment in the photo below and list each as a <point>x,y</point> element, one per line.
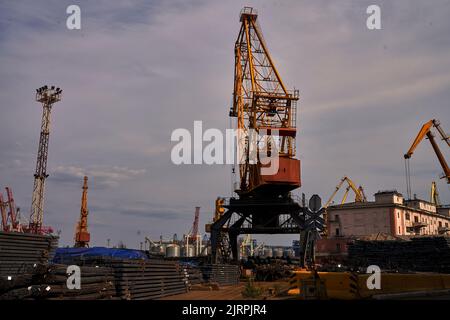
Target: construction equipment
<point>12,214</point>
<point>219,208</point>
<point>47,96</point>
<point>359,192</point>
<point>425,131</point>
<point>259,249</point>
<point>265,113</point>
<point>353,286</point>
<point>247,246</point>
<point>192,235</point>
<point>264,108</point>
<point>434,195</point>
<point>360,196</point>
<point>82,235</point>
<point>3,213</point>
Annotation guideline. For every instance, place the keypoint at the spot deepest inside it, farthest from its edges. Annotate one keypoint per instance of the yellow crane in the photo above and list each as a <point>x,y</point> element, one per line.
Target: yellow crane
<point>425,131</point>
<point>360,196</point>
<point>82,236</point>
<point>265,112</point>
<point>247,243</point>
<point>434,194</point>
<point>359,192</point>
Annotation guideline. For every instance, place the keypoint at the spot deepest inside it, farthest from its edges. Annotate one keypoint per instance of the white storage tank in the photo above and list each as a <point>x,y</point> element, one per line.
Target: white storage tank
<point>278,252</point>
<point>205,250</point>
<point>188,251</point>
<point>159,249</point>
<point>172,250</point>
<point>268,253</point>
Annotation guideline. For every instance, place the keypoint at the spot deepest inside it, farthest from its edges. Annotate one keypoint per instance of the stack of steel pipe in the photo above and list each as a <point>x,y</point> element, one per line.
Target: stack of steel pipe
<point>192,274</point>
<point>141,279</point>
<point>148,279</point>
<point>431,254</point>
<point>223,274</point>
<point>21,250</point>
<point>50,282</point>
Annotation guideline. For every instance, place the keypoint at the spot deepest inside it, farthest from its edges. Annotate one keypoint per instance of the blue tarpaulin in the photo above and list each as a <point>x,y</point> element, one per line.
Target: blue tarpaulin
<point>65,254</point>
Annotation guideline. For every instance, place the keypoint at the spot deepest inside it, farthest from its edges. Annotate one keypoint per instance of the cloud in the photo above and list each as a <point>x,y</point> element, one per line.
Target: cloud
<point>104,176</point>
<point>139,69</point>
<point>166,214</point>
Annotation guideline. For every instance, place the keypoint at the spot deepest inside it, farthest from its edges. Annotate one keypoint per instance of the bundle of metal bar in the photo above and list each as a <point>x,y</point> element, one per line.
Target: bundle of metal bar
<point>138,279</point>
<point>192,274</point>
<point>50,282</point>
<point>148,279</point>
<point>223,274</point>
<point>21,250</point>
<point>430,254</point>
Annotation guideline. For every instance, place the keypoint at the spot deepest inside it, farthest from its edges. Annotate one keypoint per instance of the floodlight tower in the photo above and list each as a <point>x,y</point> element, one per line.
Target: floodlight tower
<point>47,96</point>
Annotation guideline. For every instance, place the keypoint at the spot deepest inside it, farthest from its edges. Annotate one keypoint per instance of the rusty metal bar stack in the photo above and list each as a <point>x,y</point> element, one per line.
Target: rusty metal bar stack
<point>138,279</point>
<point>21,250</point>
<point>223,274</point>
<point>148,279</point>
<point>192,274</point>
<point>427,254</point>
<point>49,282</point>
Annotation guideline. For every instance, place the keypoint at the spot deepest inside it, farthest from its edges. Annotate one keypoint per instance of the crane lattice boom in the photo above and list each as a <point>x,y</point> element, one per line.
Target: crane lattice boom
<point>47,96</point>
<point>262,103</point>
<point>82,235</point>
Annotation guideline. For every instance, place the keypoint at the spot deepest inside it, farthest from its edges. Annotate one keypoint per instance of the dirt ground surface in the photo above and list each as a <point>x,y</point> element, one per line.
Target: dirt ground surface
<point>234,292</point>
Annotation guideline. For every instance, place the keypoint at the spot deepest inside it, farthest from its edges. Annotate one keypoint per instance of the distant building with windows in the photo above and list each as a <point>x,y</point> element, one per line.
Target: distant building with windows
<point>389,214</point>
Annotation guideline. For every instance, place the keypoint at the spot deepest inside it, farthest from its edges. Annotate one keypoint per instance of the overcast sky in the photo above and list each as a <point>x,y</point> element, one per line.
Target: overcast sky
<point>137,70</point>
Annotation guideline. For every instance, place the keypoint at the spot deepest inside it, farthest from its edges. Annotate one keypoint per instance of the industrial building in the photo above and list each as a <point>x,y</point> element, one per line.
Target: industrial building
<point>389,214</point>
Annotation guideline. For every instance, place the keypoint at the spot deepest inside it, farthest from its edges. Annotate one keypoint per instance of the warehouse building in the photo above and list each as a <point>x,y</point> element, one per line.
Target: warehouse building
<point>389,214</point>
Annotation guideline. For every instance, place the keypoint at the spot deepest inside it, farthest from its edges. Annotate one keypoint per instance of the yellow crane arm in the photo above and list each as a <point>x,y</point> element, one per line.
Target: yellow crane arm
<point>334,193</point>
<point>426,131</point>
<point>344,198</point>
<point>434,197</point>
<point>422,133</point>
<point>359,194</point>
<point>362,193</point>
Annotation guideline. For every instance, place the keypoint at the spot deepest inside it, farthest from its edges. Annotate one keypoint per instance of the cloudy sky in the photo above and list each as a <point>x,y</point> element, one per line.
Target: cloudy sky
<point>137,70</point>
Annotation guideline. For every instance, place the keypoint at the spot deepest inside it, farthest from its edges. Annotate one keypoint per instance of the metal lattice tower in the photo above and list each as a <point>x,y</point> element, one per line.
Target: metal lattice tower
<point>262,103</point>
<point>82,235</point>
<point>47,96</point>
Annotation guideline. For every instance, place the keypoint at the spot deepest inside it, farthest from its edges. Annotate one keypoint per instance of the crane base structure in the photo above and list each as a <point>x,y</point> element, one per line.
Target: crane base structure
<point>265,216</point>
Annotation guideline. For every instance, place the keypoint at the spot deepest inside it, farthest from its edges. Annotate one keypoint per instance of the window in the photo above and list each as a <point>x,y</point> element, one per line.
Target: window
<point>337,231</point>
<point>336,217</point>
<point>446,224</point>
<point>416,219</point>
<point>399,230</point>
<point>338,247</point>
<point>398,214</point>
<point>407,216</point>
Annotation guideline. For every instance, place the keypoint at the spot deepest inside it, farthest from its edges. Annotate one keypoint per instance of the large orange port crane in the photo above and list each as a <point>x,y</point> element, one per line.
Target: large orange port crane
<point>82,236</point>
<point>425,131</point>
